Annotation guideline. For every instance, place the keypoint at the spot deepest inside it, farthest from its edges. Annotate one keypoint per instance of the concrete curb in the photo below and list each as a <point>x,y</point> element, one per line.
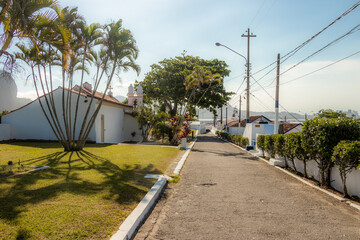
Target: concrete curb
<point>183,159</point>
<point>129,227</point>
<point>356,206</point>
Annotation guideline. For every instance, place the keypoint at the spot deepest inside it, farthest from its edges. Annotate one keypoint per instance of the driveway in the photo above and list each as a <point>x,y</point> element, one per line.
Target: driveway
<point>224,193</point>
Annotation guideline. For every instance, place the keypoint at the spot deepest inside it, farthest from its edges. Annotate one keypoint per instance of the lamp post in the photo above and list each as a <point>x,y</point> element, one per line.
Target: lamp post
<point>248,80</point>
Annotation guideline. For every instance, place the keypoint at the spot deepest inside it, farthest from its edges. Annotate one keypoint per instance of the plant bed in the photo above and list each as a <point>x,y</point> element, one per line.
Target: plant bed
<point>84,195</point>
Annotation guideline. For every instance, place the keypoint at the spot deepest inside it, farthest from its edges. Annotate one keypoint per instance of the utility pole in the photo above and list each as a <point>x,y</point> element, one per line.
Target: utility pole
<point>239,111</point>
<point>276,126</point>
<point>226,118</point>
<point>248,75</point>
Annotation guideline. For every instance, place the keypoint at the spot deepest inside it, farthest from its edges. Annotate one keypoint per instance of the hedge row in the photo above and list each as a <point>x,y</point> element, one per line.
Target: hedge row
<point>327,141</point>
<point>237,139</point>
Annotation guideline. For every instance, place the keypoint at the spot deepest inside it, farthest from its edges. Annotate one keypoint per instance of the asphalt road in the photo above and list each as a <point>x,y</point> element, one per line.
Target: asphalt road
<point>224,193</point>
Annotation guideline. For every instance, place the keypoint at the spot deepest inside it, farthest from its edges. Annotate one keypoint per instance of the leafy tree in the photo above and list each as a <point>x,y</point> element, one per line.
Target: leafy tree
<point>321,135</point>
<point>260,143</point>
<point>269,144</point>
<point>280,146</point>
<point>347,157</point>
<point>328,113</point>
<point>290,146</point>
<point>186,81</point>
<point>299,151</point>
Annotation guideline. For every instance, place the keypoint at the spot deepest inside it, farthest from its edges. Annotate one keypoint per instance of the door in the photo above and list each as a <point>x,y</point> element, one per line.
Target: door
<point>102,128</point>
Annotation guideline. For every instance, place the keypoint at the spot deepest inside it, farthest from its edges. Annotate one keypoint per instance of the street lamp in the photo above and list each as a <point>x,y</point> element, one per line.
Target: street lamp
<point>248,80</point>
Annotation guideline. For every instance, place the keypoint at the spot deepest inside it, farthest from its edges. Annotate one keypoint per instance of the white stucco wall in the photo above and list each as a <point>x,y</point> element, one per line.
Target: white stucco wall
<point>130,126</point>
<point>198,126</point>
<point>29,122</point>
<point>352,182</point>
<point>5,132</point>
<point>113,120</point>
<point>236,130</point>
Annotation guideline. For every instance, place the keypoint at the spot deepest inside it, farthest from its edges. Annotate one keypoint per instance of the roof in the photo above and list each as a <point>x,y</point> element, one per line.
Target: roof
<point>84,92</point>
<point>98,95</point>
<point>287,127</point>
<point>235,123</point>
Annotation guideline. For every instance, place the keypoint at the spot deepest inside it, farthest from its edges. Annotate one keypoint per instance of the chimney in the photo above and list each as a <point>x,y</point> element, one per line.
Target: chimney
<point>87,86</point>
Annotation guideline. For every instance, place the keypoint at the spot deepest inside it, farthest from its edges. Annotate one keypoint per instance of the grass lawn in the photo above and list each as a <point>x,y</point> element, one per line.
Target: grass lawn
<point>84,195</point>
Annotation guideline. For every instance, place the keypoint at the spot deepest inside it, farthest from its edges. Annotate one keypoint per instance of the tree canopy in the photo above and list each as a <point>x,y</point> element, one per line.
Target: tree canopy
<point>186,82</point>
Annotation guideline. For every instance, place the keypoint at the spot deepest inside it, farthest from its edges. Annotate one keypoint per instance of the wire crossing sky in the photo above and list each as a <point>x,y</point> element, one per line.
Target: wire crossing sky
<point>164,28</point>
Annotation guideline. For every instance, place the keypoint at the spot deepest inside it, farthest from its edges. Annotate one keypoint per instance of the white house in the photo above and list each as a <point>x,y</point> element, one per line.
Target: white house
<point>113,124</point>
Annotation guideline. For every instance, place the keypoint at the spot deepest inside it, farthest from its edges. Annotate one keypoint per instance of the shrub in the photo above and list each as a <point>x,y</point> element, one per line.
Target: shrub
<point>321,135</point>
<point>244,141</point>
<point>347,157</point>
<point>290,146</point>
<point>279,144</point>
<point>269,145</point>
<point>260,143</point>
<point>299,151</point>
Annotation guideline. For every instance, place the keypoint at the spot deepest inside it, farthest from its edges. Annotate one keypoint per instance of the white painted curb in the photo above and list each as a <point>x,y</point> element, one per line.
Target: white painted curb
<point>128,228</point>
<point>181,163</point>
<point>300,179</point>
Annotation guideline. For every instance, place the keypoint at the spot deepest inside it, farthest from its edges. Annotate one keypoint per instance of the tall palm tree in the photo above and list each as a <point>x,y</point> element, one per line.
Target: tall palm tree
<point>19,18</point>
<point>121,52</point>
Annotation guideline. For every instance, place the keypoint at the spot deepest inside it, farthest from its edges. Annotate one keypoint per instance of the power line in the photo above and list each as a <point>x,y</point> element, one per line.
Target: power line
<point>353,30</point>
<point>317,70</point>
<point>274,100</point>
<point>295,50</point>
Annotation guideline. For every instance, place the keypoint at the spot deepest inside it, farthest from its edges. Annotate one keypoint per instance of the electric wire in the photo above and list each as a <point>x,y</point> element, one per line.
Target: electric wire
<point>353,30</point>
<point>295,50</point>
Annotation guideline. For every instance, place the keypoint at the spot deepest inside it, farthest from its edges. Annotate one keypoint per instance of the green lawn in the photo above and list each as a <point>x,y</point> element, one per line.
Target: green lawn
<point>84,195</point>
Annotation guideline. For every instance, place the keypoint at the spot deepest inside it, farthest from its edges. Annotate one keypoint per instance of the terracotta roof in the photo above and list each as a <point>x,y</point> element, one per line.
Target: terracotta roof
<point>235,123</point>
<point>98,95</point>
<point>289,126</point>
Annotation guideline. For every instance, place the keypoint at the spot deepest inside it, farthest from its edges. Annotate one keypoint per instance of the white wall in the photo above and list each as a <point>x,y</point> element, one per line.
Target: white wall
<point>352,182</point>
<point>131,125</point>
<point>236,130</point>
<point>29,122</point>
<point>113,121</point>
<point>5,132</point>
<point>198,126</point>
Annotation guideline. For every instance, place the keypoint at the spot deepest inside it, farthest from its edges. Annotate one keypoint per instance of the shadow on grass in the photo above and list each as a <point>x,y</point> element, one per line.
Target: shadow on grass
<point>122,184</point>
<point>47,144</point>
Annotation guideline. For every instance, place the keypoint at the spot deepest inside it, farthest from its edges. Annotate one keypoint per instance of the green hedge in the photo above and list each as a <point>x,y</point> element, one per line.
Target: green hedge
<point>237,139</point>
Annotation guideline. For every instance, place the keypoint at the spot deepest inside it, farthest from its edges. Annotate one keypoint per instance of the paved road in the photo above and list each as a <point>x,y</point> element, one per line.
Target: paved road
<point>226,194</point>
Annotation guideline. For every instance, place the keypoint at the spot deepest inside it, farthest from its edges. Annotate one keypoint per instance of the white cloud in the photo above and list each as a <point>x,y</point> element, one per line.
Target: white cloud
<point>27,94</point>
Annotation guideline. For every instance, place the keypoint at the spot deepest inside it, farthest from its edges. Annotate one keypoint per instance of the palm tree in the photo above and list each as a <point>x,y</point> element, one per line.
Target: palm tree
<point>119,53</point>
<point>20,17</point>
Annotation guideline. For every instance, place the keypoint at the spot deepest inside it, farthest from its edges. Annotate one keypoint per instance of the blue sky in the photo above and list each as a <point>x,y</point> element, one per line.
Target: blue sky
<point>164,28</point>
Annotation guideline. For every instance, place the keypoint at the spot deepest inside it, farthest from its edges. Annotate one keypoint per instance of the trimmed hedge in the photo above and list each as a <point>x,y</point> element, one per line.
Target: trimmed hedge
<point>236,139</point>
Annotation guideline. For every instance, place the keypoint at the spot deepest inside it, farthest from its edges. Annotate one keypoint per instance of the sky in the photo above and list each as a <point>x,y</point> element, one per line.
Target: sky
<point>165,28</point>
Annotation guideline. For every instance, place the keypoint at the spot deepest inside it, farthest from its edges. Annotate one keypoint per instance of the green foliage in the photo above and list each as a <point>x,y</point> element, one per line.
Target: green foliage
<point>347,157</point>
<point>153,122</point>
<point>187,81</point>
<point>4,112</point>
<point>260,143</point>
<point>328,113</point>
<point>321,135</point>
<point>269,144</point>
<point>244,141</point>
<point>290,147</point>
<point>279,144</point>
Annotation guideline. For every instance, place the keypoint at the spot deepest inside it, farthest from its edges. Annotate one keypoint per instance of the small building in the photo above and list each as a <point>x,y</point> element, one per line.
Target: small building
<point>233,126</point>
<point>114,123</point>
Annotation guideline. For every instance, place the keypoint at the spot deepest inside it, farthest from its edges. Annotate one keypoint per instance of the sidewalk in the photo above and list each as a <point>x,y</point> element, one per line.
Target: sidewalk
<point>226,194</point>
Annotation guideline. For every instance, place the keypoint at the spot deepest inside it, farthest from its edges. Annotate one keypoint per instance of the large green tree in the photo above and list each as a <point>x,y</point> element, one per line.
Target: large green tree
<point>186,82</point>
